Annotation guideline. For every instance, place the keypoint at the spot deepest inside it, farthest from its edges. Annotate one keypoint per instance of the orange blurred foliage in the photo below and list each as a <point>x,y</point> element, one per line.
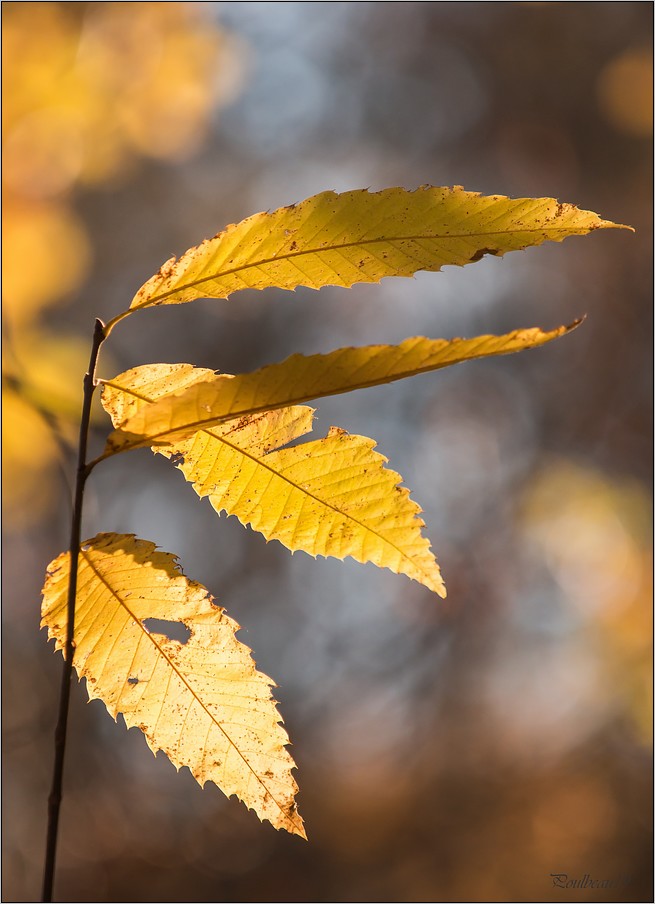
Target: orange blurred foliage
<point>87,90</point>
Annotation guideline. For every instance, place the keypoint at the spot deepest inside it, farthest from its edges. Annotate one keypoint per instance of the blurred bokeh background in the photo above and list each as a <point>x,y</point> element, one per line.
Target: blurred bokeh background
<point>447,751</point>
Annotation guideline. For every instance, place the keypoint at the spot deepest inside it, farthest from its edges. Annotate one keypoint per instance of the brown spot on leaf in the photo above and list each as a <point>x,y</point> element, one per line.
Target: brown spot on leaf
<point>481,253</point>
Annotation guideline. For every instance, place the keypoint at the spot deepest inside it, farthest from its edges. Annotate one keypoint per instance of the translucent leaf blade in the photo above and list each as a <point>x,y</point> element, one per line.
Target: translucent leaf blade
<point>128,394</point>
<point>200,698</point>
<point>331,497</point>
<point>304,377</point>
<point>361,236</point>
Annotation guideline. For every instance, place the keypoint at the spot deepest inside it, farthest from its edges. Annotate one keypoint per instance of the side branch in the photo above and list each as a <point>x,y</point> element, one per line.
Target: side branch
<point>54,800</point>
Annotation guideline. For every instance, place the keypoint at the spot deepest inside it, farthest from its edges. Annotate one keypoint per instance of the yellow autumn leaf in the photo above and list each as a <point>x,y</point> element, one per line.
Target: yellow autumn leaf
<point>361,236</point>
<point>330,497</point>
<point>304,377</point>
<point>128,393</point>
<point>199,698</point>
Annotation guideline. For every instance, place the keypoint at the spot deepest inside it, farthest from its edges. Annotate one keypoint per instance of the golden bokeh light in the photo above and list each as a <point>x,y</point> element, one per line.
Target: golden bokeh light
<point>593,531</point>
<point>625,92</point>
<point>46,254</point>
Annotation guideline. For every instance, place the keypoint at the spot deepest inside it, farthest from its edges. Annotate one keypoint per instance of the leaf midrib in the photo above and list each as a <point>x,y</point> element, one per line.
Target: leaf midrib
<point>194,426</point>
<point>155,299</point>
<point>262,463</point>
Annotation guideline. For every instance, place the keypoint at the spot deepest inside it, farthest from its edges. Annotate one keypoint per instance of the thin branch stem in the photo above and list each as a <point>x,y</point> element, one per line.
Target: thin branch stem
<point>83,470</point>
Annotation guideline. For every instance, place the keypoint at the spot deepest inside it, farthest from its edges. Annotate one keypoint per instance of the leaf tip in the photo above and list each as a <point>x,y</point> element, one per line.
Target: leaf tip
<point>575,324</point>
<point>438,586</point>
<point>296,826</point>
<point>300,832</point>
<point>608,224</point>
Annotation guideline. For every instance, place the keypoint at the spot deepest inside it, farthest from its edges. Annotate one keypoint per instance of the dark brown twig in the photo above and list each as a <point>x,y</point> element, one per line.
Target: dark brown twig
<point>83,470</point>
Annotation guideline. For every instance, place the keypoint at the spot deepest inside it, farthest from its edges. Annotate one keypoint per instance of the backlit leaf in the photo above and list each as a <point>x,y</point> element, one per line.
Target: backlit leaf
<point>361,236</point>
<point>154,646</point>
<point>330,497</point>
<point>129,393</point>
<point>301,378</point>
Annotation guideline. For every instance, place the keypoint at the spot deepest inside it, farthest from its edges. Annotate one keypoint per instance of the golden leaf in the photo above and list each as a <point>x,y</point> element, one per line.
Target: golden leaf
<point>361,236</point>
<point>199,698</point>
<point>301,378</point>
<point>330,497</point>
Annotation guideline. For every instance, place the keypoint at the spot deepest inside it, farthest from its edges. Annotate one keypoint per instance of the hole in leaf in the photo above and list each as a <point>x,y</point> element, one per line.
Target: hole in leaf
<point>132,680</point>
<point>173,630</point>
